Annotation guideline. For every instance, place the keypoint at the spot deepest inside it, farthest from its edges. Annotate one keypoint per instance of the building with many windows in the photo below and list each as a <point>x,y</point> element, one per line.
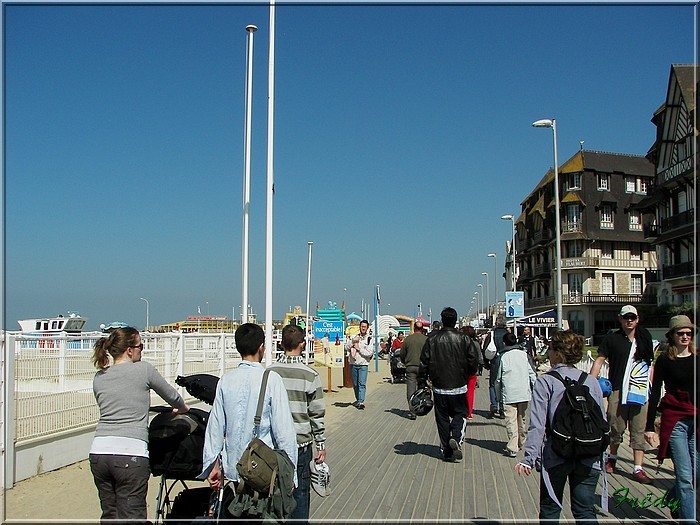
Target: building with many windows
<point>672,226</point>
<point>606,261</point>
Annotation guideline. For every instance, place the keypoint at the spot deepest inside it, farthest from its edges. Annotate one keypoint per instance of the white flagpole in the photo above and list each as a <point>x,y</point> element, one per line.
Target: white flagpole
<point>270,187</point>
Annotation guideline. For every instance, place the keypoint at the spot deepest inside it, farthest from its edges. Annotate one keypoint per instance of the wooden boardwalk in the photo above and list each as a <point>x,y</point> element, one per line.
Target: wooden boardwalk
<point>385,467</point>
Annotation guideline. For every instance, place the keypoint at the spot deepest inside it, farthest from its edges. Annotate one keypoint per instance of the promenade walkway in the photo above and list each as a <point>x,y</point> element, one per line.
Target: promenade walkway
<point>384,468</point>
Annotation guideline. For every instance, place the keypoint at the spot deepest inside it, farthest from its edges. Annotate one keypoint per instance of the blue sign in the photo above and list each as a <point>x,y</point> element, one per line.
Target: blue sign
<point>335,330</point>
<point>515,304</point>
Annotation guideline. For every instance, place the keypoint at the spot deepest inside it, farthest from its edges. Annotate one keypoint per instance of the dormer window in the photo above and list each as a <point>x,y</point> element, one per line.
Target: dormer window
<point>603,182</point>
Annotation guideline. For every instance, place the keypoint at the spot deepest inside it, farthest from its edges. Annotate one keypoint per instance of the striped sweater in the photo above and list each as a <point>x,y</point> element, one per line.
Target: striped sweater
<point>306,401</point>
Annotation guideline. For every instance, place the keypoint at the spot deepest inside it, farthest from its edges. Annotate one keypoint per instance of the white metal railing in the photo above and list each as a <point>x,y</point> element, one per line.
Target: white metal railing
<point>51,377</point>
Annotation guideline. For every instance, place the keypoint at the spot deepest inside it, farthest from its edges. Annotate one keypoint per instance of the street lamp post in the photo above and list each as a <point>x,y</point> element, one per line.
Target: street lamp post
<point>476,296</point>
<point>511,218</point>
<point>147,321</point>
<point>481,294</point>
<point>552,123</point>
<point>495,287</point>
<point>488,298</point>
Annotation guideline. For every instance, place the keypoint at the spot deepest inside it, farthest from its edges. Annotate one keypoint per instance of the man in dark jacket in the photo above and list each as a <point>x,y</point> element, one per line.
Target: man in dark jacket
<point>448,359</point>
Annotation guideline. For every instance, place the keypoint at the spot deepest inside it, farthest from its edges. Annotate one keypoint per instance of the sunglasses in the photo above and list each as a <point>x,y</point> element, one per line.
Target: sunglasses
<point>630,317</point>
<point>139,346</point>
<point>684,334</point>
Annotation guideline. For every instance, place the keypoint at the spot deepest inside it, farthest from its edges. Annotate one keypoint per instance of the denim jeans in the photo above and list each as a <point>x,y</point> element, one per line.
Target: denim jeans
<point>682,447</point>
<point>302,494</point>
<point>582,483</point>
<point>359,381</point>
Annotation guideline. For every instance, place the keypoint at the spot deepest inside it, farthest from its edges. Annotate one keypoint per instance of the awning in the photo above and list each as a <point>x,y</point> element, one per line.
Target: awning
<point>546,319</point>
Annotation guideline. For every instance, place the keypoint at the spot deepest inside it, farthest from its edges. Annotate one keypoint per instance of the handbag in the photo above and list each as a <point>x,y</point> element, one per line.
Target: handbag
<point>491,349</point>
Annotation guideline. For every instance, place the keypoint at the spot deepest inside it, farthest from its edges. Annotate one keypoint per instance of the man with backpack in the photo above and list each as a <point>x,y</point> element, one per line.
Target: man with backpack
<point>448,359</point>
<point>231,420</point>
<point>568,432</point>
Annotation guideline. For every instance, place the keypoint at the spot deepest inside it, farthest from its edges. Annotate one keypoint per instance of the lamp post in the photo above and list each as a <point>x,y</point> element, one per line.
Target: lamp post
<point>147,321</point>
<point>552,123</point>
<point>495,286</point>
<point>488,297</point>
<point>476,296</point>
<point>511,218</point>
<point>481,293</point>
<point>345,298</point>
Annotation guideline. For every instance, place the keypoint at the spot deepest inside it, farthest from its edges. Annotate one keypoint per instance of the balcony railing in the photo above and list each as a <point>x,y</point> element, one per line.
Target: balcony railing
<point>591,298</point>
<point>673,271</point>
<point>651,231</point>
<point>542,269</point>
<point>678,220</point>
<point>571,226</point>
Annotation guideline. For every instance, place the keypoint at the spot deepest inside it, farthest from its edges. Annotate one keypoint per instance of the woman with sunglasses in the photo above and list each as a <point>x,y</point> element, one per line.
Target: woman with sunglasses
<point>119,451</point>
<point>676,370</point>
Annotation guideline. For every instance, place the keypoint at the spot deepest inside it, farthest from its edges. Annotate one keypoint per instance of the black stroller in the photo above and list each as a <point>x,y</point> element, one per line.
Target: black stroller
<point>176,443</point>
<point>398,369</point>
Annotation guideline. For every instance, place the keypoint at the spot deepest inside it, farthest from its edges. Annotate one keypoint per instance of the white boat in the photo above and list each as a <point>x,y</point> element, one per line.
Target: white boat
<point>72,324</point>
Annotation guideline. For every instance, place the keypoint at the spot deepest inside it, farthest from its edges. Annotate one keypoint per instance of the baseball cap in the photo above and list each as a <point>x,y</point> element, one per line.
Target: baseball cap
<point>628,309</point>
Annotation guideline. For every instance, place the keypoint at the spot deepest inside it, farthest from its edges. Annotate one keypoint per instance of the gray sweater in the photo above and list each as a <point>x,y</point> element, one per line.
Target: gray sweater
<point>123,395</point>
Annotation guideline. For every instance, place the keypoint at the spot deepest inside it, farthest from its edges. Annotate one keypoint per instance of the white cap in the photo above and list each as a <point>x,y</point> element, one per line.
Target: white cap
<point>628,309</point>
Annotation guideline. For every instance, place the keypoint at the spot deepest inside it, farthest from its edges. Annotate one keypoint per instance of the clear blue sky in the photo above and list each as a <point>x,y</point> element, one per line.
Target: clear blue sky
<point>402,134</point>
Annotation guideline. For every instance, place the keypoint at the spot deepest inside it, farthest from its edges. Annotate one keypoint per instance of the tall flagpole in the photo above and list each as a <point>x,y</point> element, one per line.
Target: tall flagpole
<point>270,187</point>
<point>246,175</point>
<point>377,301</point>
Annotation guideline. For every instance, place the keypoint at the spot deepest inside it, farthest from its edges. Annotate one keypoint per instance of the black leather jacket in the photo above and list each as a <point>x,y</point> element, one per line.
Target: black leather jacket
<point>448,359</point>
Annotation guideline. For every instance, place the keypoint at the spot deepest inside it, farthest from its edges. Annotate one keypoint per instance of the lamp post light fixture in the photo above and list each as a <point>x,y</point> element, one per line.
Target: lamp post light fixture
<point>147,320</point>
<point>495,286</point>
<point>511,218</point>
<point>552,123</point>
<point>488,298</point>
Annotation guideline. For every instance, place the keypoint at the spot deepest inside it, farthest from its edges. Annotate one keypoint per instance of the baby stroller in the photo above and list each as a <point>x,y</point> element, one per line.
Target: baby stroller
<point>398,369</point>
<point>176,443</point>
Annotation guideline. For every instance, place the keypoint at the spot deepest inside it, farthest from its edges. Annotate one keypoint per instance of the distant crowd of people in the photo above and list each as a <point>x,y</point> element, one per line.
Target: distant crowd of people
<point>448,361</point>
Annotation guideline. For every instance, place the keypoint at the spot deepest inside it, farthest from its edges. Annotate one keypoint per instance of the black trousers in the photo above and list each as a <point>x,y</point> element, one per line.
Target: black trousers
<point>451,419</point>
<point>122,483</point>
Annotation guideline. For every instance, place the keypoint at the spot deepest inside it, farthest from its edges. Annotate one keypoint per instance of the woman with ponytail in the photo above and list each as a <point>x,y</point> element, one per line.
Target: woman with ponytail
<point>119,452</point>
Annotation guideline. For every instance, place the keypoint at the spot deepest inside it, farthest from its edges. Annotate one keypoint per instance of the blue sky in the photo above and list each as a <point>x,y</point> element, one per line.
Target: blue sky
<point>402,134</point>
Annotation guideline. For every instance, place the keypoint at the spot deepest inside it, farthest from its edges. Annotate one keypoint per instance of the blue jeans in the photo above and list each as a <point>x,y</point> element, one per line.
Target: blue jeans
<point>682,448</point>
<point>359,381</point>
<point>302,494</point>
<point>582,483</point>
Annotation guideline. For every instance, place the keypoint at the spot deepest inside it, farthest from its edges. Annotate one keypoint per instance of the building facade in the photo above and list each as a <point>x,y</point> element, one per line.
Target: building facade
<point>672,225</point>
<point>606,262</point>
